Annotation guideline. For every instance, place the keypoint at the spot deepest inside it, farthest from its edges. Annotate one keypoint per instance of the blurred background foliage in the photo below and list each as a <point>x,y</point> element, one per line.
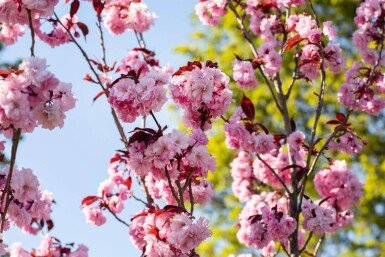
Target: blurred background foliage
<point>366,236</point>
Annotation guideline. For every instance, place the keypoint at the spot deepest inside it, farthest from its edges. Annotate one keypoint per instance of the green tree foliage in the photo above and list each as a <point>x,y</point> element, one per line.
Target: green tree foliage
<point>365,237</point>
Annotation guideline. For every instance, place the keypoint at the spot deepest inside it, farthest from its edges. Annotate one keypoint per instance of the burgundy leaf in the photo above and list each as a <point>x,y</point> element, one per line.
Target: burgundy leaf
<point>293,41</point>
<point>248,108</point>
<point>98,6</point>
<point>49,224</point>
<point>128,183</point>
<point>83,27</point>
<point>88,200</point>
<point>145,51</point>
<point>183,69</point>
<point>340,116</point>
<point>74,8</point>
<point>4,73</point>
<point>333,122</point>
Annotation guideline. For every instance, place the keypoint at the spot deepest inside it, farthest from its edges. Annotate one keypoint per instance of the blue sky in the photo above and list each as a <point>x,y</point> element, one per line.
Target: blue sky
<point>72,161</point>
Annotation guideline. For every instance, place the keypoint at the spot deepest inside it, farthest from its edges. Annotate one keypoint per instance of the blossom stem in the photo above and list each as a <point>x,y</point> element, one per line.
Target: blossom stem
<point>156,121</point>
<point>32,32</point>
<point>275,173</point>
<point>102,44</point>
<point>191,196</point>
<point>172,188</point>
<point>150,201</point>
<point>307,242</point>
<point>117,217</point>
<point>85,55</point>
<point>7,190</point>
<point>318,246</point>
<point>253,49</point>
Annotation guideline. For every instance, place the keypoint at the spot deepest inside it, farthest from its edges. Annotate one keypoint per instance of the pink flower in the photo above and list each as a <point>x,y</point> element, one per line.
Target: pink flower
<point>17,251</point>
<point>328,30</point>
<point>25,184</point>
<point>139,18</point>
<point>209,11</point>
<point>244,75</point>
<point>94,215</point>
<point>121,15</point>
<point>203,93</point>
<point>318,218</point>
<point>137,232</point>
<point>131,99</point>
<point>294,3</point>
<point>339,184</point>
<point>9,33</point>
<point>305,25</point>
<point>295,141</point>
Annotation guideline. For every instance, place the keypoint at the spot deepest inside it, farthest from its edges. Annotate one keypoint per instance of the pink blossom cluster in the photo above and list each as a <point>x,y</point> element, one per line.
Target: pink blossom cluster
<point>279,163</point>
<point>340,184</point>
<point>122,15</point>
<point>111,193</point>
<point>341,190</point>
<point>242,174</point>
<point>362,89</point>
<point>140,90</point>
<point>364,86</point>
<point>170,231</point>
<point>247,137</point>
<point>28,206</point>
<point>58,35</point>
<point>176,156</point>
<point>210,11</point>
<point>313,55</point>
<point>15,12</point>
<point>33,96</point>
<point>10,32</point>
<point>348,143</point>
<point>321,218</point>
<point>264,219</point>
<point>181,157</point>
<point>49,246</point>
<point>318,218</point>
<point>202,91</point>
<point>244,74</point>
<point>247,170</point>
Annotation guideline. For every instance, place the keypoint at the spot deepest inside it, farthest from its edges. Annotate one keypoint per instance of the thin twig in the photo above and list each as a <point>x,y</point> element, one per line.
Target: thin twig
<point>116,217</point>
<point>331,137</point>
<point>314,13</point>
<point>119,127</point>
<point>99,25</point>
<point>275,174</point>
<point>82,51</point>
<point>32,32</point>
<point>156,121</point>
<point>172,187</point>
<point>294,76</point>
<point>253,49</point>
<point>318,246</point>
<point>85,55</point>
<point>191,196</point>
<point>307,242</point>
<point>150,200</point>
<point>188,179</point>
<point>139,200</point>
<point>7,190</point>
<point>180,191</point>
